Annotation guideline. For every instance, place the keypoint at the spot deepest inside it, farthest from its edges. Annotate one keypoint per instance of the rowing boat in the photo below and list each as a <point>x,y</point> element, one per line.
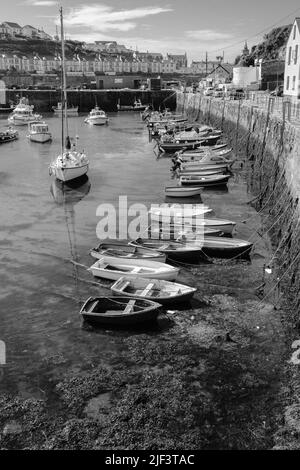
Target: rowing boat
<point>172,249</point>
<point>205,181</point>
<point>164,292</point>
<point>109,267</point>
<point>123,250</point>
<point>119,312</point>
<point>180,191</point>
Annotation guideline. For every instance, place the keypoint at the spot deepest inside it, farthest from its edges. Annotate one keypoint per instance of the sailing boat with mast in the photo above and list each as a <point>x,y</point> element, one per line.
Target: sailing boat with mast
<point>71,163</point>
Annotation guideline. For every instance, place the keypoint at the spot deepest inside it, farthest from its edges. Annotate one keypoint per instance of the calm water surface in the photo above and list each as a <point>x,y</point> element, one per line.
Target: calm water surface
<point>42,228</point>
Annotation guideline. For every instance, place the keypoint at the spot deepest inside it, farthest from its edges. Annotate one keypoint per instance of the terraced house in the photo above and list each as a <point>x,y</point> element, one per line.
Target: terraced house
<point>292,62</point>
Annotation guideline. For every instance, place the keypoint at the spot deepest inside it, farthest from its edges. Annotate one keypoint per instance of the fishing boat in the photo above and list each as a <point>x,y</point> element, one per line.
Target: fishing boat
<point>172,249</point>
<point>6,108</point>
<point>119,311</point>
<point>23,114</point>
<point>71,163</point>
<point>180,191</point>
<point>126,251</point>
<point>205,181</point>
<point>8,136</point>
<point>164,292</point>
<point>97,117</point>
<point>70,110</point>
<point>110,267</point>
<point>136,106</point>
<point>205,160</point>
<point>222,247</point>
<point>39,132</point>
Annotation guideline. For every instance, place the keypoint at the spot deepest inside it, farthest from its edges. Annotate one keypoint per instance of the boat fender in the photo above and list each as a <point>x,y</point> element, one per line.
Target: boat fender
<point>50,171</point>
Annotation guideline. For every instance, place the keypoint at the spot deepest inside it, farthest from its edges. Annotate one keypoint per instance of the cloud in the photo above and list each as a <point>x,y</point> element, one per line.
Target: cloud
<point>207,35</point>
<point>103,18</point>
<point>40,3</point>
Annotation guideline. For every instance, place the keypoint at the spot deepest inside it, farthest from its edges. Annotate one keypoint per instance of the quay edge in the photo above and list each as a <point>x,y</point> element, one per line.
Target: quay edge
<point>43,100</point>
<point>270,147</point>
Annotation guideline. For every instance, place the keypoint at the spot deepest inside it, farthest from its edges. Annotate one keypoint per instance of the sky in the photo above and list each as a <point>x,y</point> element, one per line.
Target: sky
<point>174,26</point>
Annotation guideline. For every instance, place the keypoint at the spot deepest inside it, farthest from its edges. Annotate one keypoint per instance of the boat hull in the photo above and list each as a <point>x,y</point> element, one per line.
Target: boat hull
<point>163,300</point>
<point>206,182</point>
<point>97,121</point>
<point>41,138</point>
<point>148,314</point>
<point>68,174</point>
<point>182,192</point>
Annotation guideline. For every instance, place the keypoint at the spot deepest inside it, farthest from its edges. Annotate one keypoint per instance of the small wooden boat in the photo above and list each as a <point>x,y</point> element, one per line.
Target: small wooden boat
<point>164,292</point>
<point>224,226</point>
<point>172,147</point>
<point>8,136</point>
<point>173,211</point>
<point>206,157</point>
<point>201,172</point>
<point>181,234</point>
<point>222,247</point>
<point>120,311</point>
<point>172,249</point>
<point>124,250</point>
<point>205,140</point>
<point>205,181</point>
<point>110,267</point>
<point>180,191</point>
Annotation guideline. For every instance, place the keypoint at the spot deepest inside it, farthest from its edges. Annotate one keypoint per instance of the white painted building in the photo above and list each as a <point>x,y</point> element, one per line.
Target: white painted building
<point>246,76</point>
<point>292,62</point>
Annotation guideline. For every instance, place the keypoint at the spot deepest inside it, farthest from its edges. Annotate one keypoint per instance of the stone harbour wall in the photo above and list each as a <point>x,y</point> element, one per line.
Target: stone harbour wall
<point>271,149</point>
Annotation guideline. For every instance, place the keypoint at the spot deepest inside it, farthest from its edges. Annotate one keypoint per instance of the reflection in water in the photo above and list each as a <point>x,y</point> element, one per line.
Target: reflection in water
<point>71,192</point>
<point>68,194</point>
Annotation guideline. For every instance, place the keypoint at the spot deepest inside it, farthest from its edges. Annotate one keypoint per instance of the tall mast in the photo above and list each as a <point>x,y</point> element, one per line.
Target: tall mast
<point>64,103</point>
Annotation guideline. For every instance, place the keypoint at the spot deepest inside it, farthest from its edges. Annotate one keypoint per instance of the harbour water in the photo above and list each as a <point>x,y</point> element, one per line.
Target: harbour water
<point>219,350</point>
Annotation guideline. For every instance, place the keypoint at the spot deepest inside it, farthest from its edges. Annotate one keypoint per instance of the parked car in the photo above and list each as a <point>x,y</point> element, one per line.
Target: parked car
<point>236,94</point>
<point>218,93</point>
<point>278,91</point>
<point>209,91</point>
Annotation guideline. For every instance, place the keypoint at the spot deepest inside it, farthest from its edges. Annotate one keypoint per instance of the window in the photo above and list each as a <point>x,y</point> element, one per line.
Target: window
<point>294,82</point>
<point>287,83</point>
<point>296,54</point>
<point>294,35</point>
<point>290,56</point>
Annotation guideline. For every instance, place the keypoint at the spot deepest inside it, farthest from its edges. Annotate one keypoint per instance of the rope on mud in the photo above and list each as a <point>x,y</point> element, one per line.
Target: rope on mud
<point>279,281</point>
<point>272,226</point>
<point>268,200</point>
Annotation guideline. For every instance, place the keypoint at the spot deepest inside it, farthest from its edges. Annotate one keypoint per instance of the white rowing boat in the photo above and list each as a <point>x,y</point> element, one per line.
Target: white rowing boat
<point>112,268</point>
<point>164,292</point>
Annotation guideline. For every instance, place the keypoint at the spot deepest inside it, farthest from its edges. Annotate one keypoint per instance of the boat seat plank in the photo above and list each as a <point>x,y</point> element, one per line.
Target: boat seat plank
<point>147,289</point>
<point>92,306</point>
<point>129,307</point>
<point>136,269</point>
<point>126,284</point>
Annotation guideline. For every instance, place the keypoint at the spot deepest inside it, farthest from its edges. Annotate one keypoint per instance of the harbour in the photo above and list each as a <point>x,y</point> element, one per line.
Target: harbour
<point>149,262</point>
<point>220,348</point>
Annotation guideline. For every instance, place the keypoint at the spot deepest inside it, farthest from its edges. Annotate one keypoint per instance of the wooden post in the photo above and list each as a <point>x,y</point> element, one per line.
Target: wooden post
<point>237,128</point>
<point>223,112</point>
